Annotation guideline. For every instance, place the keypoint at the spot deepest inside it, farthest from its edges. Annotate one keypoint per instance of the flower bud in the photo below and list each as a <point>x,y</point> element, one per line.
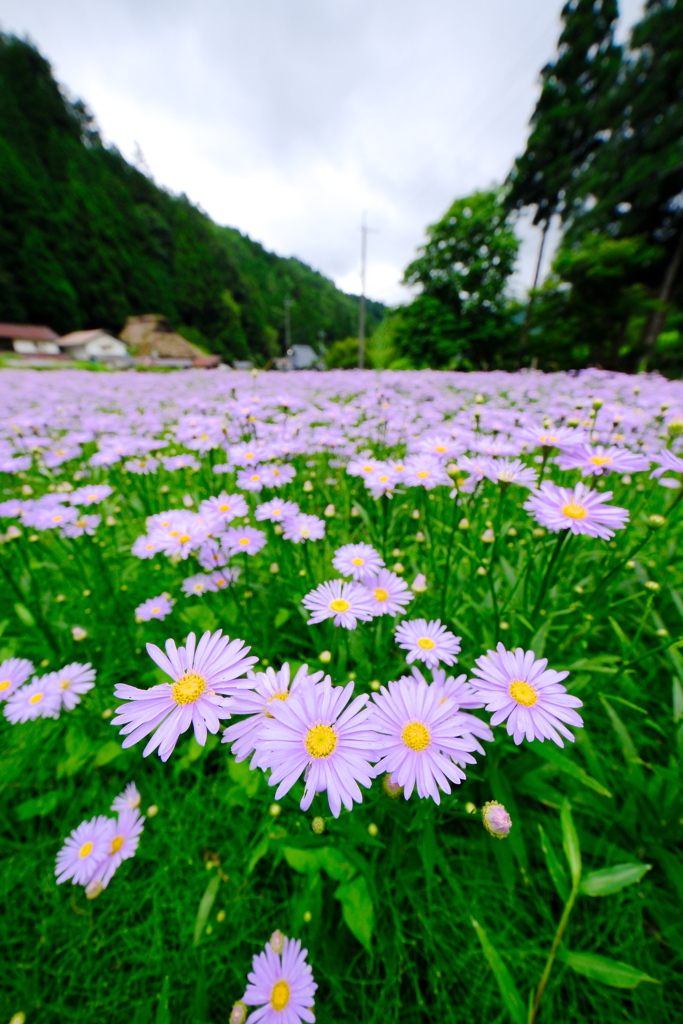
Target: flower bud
<point>375,684</point>
<point>277,941</point>
<point>415,514</point>
<point>655,521</point>
<point>598,403</point>
<point>399,568</point>
<point>354,511</point>
<point>419,537</point>
<point>278,530</point>
<point>164,489</point>
<point>308,917</point>
<point>329,511</point>
<point>481,571</point>
<point>538,532</point>
<point>675,427</point>
<point>488,536</point>
<point>419,584</point>
<point>18,1018</point>
<point>391,788</point>
<point>470,807</point>
<point>308,486</point>
<point>78,633</point>
<point>107,713</point>
<point>238,1014</point>
<point>93,890</point>
<point>220,916</point>
<point>512,532</point>
<point>12,532</point>
<point>275,810</point>
<point>464,524</point>
<point>496,819</point>
<point>325,657</point>
<point>152,810</point>
<point>188,500</point>
<point>318,825</point>
<point>274,568</point>
<point>652,585</point>
<point>373,830</point>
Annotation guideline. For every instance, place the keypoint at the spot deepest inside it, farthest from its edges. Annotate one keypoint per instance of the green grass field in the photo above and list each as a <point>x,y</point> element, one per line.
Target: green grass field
<point>387,898</point>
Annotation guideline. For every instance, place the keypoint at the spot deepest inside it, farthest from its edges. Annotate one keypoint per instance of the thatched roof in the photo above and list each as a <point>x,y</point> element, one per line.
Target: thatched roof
<point>152,335</point>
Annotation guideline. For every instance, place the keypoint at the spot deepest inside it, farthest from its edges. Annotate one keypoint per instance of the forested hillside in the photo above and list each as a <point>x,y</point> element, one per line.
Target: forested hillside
<point>86,239</point>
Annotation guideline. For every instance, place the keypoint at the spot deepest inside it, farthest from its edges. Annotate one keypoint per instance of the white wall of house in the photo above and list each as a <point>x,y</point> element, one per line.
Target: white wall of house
<point>25,347</point>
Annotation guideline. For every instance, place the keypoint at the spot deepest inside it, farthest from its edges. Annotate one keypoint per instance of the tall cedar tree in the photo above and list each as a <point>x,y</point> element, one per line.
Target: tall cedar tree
<point>568,118</point>
<point>635,178</point>
<point>87,240</point>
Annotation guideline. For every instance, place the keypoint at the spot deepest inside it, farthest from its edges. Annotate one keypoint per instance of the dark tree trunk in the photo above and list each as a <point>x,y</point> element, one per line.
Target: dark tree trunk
<point>526,329</point>
<point>655,322</point>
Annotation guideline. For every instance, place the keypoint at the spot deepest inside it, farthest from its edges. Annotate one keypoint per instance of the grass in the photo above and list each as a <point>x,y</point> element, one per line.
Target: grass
<point>385,912</point>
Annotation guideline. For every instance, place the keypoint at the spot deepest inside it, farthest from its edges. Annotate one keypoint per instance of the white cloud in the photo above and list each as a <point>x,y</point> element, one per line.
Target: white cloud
<point>288,118</point>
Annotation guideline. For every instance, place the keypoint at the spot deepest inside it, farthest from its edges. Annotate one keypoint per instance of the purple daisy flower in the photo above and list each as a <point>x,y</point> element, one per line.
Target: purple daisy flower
<point>70,682</point>
<point>129,800</point>
<point>599,461</point>
<point>343,602</point>
<point>223,509</point>
<point>281,986</point>
<point>302,527</point>
<point>580,510</point>
<point>198,584</point>
<point>315,732</point>
<point>84,851</point>
<point>123,842</point>
<point>276,510</point>
<point>518,687</point>
<point>203,678</point>
<point>243,538</point>
<point>154,608</point>
<point>357,560</point>
<point>277,476</point>
<point>427,641</point>
<point>420,737</point>
<point>35,700</point>
<point>266,687</point>
<point>13,673</point>
<point>224,578</point>
<point>389,593</point>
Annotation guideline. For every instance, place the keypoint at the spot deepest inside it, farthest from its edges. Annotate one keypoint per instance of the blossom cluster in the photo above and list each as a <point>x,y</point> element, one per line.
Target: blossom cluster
<point>45,696</point>
<point>96,849</point>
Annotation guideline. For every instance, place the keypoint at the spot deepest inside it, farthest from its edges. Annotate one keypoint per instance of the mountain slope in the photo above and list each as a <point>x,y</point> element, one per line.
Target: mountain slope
<point>86,239</point>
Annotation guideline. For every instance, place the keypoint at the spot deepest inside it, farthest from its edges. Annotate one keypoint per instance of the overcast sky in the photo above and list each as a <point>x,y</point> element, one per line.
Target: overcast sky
<point>288,118</point>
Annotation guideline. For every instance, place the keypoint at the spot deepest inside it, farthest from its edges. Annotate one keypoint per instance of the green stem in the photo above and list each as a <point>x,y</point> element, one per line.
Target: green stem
<point>553,561</point>
<point>568,907</point>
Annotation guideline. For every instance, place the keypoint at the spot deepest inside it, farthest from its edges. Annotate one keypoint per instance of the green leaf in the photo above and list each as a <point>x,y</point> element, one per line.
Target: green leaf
<point>281,617</point>
<point>163,1012</point>
<point>508,990</point>
<point>605,970</point>
<point>24,614</point>
<point>258,854</point>
<point>39,806</point>
<point>357,909</point>
<point>539,638</point>
<point>335,864</point>
<point>107,753</point>
<point>610,880</point>
<point>570,843</point>
<point>677,699</point>
<point>205,904</point>
<point>552,753</point>
<point>301,860</point>
<point>242,775</point>
<point>555,869</point>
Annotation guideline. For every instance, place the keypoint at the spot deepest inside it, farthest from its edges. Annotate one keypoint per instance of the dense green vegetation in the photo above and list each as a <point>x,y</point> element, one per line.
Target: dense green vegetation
<point>604,158</point>
<point>86,239</point>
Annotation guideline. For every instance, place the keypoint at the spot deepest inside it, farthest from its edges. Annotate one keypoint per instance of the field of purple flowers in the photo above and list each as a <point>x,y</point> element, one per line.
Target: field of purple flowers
<point>341,697</point>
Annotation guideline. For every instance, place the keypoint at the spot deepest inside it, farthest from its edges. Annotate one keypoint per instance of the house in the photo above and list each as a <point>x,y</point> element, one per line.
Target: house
<point>28,339</point>
<point>303,357</point>
<point>96,344</point>
<point>152,338</point>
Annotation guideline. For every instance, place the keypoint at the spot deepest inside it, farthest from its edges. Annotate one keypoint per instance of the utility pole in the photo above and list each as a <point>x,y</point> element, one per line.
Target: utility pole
<point>288,323</point>
<point>361,307</point>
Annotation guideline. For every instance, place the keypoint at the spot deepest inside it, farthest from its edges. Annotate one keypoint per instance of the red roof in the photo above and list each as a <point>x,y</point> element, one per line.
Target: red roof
<point>27,332</point>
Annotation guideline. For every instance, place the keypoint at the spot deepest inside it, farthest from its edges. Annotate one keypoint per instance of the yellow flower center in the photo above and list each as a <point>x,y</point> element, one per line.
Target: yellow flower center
<point>221,583</point>
<point>244,540</point>
<point>184,538</point>
<point>4,684</point>
<point>574,511</point>
<point>92,497</point>
<point>416,736</point>
<point>249,455</point>
<point>276,511</point>
<point>254,476</point>
<point>357,561</point>
<point>523,693</point>
<point>426,643</point>
<point>368,469</point>
<point>600,460</point>
<point>279,997</point>
<point>381,595</point>
<point>276,696</point>
<point>57,519</point>
<point>85,850</point>
<point>65,684</point>
<point>547,439</point>
<point>116,844</point>
<point>36,698</point>
<point>155,611</point>
<point>188,689</point>
<point>321,741</point>
<point>440,448</point>
<point>339,605</point>
<point>423,474</point>
<point>224,508</point>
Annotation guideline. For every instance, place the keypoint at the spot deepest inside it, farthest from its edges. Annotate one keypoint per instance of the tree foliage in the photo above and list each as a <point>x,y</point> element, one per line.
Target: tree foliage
<point>86,239</point>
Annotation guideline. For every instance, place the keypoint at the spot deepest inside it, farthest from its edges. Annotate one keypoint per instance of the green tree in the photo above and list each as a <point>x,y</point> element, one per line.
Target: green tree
<point>568,118</point>
<point>635,178</point>
<point>462,269</point>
